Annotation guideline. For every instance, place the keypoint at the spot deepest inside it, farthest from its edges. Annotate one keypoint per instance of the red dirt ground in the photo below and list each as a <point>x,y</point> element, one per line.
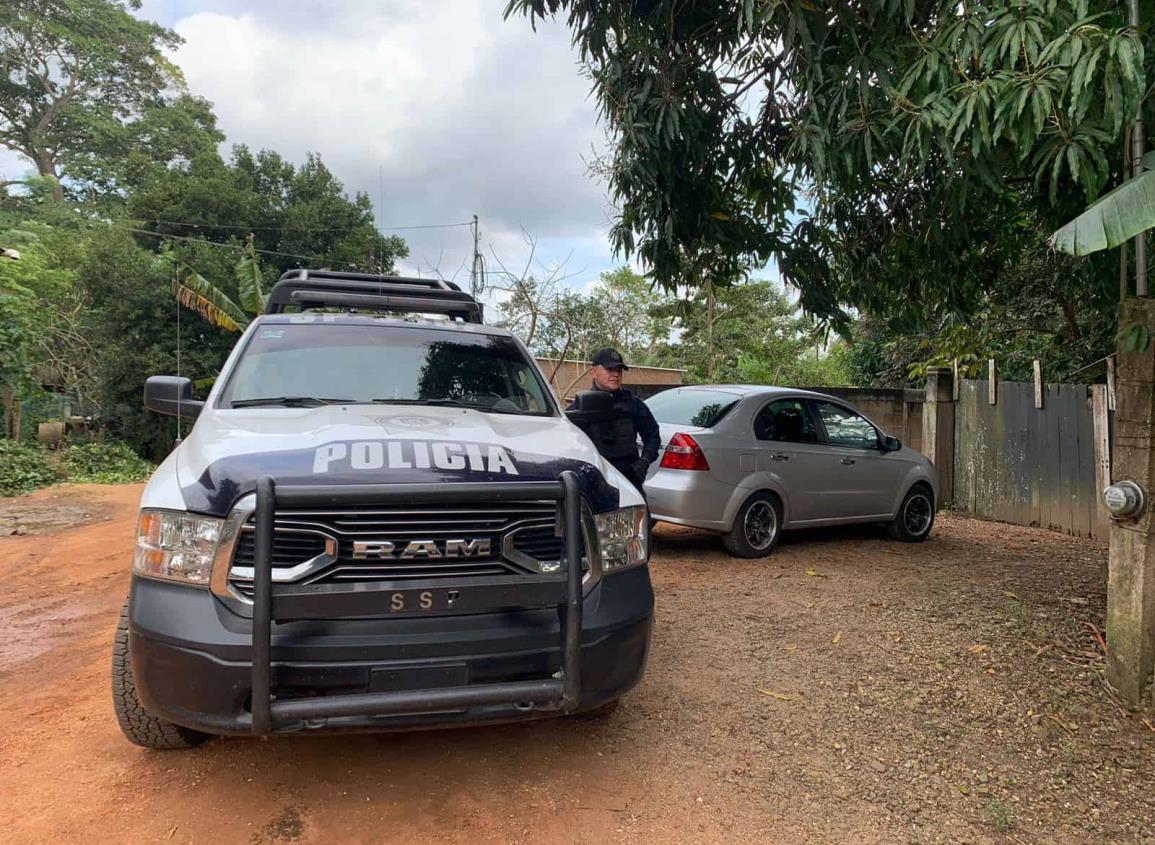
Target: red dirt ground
<point>848,689</point>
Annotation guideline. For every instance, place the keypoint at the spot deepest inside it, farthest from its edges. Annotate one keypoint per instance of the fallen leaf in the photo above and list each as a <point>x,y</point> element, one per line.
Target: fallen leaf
<point>790,647</point>
<point>1068,728</point>
<point>813,573</point>
<point>837,638</point>
<point>777,695</point>
<point>1147,722</point>
<point>1011,595</point>
<point>778,574</point>
<point>977,648</point>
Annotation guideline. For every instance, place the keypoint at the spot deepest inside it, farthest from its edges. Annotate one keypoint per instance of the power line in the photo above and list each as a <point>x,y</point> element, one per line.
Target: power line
<point>235,246</point>
<point>301,228</point>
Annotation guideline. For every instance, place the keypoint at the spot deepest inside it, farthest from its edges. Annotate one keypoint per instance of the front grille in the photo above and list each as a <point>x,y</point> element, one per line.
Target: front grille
<point>324,540</point>
<point>539,542</point>
<point>288,549</point>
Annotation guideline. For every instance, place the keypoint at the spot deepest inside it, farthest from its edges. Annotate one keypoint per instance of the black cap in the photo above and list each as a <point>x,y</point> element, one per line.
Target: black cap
<point>609,358</point>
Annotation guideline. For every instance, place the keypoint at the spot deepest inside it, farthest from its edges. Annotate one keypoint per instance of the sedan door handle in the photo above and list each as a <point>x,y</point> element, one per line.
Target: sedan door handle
<point>779,456</point>
<point>847,461</point>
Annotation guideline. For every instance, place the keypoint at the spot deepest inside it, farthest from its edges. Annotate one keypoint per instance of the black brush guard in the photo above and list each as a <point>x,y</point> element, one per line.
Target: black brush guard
<point>289,602</point>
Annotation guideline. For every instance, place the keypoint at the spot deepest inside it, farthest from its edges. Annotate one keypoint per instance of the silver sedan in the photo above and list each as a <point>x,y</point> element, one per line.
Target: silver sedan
<point>751,462</point>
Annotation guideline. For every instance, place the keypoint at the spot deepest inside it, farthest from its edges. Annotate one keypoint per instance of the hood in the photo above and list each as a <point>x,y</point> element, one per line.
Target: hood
<point>228,450</point>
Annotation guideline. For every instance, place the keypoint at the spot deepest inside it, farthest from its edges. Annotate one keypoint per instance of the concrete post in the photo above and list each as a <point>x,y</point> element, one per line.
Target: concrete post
<point>938,429</point>
<point>1131,577</point>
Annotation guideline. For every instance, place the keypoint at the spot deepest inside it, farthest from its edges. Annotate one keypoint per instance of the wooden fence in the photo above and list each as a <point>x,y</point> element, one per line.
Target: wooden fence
<point>1020,463</point>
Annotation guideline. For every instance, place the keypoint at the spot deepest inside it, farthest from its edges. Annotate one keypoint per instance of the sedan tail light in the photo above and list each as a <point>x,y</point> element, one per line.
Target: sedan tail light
<point>683,452</point>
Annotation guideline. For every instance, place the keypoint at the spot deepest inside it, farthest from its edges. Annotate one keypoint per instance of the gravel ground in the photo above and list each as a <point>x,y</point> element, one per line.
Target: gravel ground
<point>848,689</point>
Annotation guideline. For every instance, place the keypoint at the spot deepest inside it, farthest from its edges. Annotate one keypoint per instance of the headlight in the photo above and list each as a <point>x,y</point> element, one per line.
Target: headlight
<point>175,546</point>
<point>622,538</point>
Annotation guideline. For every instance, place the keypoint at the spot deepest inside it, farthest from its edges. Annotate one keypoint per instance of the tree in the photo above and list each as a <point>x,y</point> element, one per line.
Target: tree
<point>302,213</point>
<point>560,323</point>
<point>36,347</point>
<point>905,121</point>
<point>133,322</point>
<point>746,333</point>
<point>75,70</point>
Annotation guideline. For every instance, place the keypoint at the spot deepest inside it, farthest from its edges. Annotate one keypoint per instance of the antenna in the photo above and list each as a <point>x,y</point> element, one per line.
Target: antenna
<point>380,259</point>
<point>176,297</point>
<point>477,272</point>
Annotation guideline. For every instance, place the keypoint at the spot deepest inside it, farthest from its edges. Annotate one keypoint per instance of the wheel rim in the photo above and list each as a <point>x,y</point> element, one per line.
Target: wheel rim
<point>760,525</point>
<point>917,515</point>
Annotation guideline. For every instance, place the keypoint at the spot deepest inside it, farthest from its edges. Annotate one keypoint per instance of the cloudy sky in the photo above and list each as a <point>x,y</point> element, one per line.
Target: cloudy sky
<point>455,110</point>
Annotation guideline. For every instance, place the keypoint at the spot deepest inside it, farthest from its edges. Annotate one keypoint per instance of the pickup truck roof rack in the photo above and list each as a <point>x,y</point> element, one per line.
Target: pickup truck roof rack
<point>307,289</point>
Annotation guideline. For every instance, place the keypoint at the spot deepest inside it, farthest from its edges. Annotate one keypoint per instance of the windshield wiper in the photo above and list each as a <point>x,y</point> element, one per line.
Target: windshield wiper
<point>287,402</point>
<point>448,402</point>
<point>445,401</point>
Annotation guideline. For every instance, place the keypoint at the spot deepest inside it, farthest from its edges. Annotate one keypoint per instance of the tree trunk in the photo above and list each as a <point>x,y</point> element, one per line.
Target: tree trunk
<point>11,412</point>
<point>46,166</point>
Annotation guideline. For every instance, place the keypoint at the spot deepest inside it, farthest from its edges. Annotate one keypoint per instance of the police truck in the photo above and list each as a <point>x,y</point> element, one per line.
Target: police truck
<point>381,519</point>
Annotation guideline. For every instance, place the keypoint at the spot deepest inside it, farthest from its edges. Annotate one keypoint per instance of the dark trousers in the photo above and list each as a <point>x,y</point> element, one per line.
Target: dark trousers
<point>626,468</point>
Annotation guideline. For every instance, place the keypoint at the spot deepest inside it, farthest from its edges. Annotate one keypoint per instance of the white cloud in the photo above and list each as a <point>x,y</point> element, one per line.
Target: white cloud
<point>456,110</point>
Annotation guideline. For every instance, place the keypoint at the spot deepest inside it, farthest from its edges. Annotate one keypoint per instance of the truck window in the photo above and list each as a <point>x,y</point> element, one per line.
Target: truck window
<point>387,363</point>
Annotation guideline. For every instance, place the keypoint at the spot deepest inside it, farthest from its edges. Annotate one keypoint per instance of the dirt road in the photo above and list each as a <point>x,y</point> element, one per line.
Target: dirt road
<point>850,689</point>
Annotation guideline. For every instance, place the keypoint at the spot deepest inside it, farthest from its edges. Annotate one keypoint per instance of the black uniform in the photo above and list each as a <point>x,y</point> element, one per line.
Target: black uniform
<point>617,438</point>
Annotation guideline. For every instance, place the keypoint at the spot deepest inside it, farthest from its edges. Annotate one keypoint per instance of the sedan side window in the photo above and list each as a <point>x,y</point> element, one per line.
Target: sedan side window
<point>785,421</point>
<point>846,428</point>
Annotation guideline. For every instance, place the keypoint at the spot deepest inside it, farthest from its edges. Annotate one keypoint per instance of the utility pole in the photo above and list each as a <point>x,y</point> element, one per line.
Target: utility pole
<point>1137,145</point>
<point>477,273</point>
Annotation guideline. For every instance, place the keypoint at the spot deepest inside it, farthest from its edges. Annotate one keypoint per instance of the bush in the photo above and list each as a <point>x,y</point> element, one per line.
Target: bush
<point>24,468</point>
<point>104,463</point>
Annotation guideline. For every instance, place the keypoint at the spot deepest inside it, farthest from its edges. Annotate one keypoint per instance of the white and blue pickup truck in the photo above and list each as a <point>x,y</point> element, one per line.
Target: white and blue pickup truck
<point>380,520</point>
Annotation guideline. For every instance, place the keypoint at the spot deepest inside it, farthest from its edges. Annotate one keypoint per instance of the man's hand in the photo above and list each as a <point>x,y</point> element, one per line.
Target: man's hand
<point>641,467</point>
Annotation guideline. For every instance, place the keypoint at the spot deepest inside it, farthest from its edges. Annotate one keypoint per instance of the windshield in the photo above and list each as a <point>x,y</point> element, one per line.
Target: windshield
<point>326,363</point>
<point>703,408</point>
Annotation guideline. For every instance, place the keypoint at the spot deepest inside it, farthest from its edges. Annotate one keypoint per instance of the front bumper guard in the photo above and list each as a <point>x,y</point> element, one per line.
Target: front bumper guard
<point>288,602</point>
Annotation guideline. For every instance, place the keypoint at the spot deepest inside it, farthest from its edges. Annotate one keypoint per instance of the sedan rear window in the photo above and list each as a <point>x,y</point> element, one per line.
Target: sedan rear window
<point>702,408</point>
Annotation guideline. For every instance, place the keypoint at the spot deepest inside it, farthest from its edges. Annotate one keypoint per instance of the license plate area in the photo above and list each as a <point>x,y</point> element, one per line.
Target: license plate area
<point>423,598</point>
<point>420,601</point>
<point>418,677</point>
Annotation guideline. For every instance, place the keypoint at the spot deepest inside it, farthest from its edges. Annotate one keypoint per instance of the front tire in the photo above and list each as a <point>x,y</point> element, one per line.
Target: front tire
<point>915,516</point>
<point>140,726</point>
<point>756,528</point>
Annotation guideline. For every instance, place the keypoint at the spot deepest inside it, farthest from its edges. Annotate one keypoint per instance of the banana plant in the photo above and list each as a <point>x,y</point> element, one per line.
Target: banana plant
<point>198,294</point>
<point>1114,218</point>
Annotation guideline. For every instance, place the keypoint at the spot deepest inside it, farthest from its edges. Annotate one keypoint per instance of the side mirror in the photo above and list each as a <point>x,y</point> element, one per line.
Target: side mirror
<point>171,395</point>
<point>593,401</point>
<point>890,444</point>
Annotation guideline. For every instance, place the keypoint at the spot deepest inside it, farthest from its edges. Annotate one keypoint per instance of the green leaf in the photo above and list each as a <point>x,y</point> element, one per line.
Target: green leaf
<point>197,293</point>
<point>1116,218</point>
<point>250,282</point>
<point>1134,337</point>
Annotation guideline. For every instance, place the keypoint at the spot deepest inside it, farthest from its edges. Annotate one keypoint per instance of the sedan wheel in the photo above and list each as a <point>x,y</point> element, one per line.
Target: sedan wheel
<point>756,528</point>
<point>915,516</point>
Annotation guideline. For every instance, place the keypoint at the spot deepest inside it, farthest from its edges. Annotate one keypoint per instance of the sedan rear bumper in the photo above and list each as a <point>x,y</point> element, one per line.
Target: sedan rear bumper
<point>689,497</point>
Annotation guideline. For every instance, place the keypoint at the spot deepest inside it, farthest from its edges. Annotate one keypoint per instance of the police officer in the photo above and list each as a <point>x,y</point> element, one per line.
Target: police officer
<point>617,438</point>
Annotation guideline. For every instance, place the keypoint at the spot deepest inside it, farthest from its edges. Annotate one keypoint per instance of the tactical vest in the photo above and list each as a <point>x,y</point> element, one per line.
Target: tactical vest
<point>617,438</point>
